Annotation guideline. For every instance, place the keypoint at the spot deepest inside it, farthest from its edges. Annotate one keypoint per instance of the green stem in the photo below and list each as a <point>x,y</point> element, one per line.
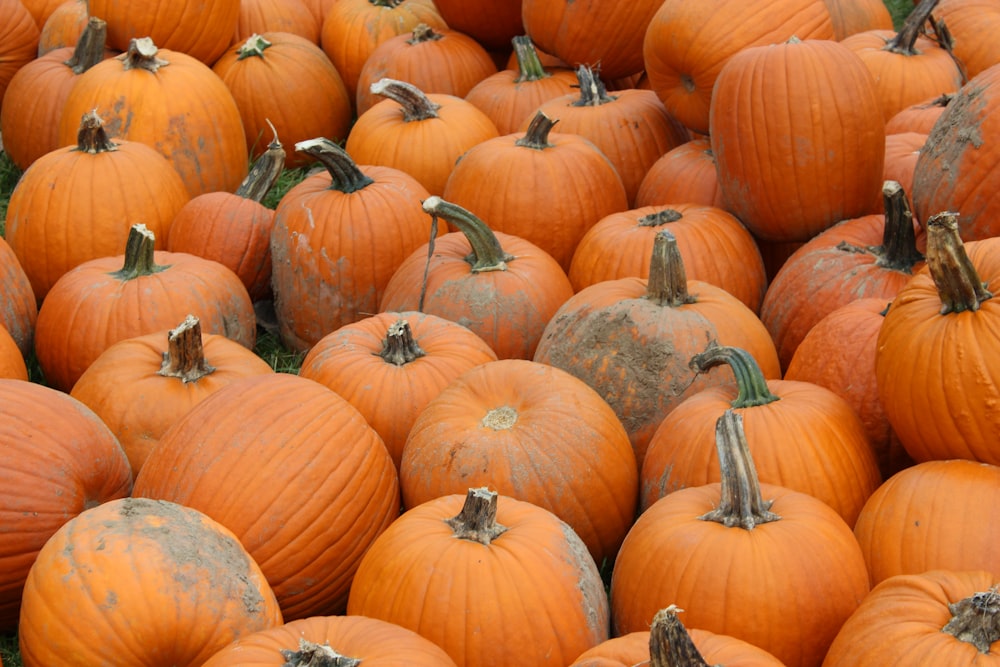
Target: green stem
<point>254,47</point>
<point>750,380</point>
<point>345,175</point>
<point>529,65</point>
<point>487,255</point>
<point>957,280</point>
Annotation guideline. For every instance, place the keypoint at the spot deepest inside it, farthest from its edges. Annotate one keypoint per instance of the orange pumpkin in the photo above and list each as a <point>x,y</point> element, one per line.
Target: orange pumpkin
<point>970,22</point>
<point>919,117</point>
<point>853,16</point>
<point>291,17</point>
<point>492,23</point>
<point>59,460</point>
<point>184,582</point>
<point>64,25</point>
<point>12,364</point>
<point>685,173</point>
<point>545,604</point>
<point>19,308</point>
<point>19,36</point>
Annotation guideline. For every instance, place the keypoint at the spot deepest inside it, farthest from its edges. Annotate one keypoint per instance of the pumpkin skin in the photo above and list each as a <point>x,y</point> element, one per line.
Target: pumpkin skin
<point>853,16</point>
<point>370,640</point>
<point>914,521</point>
<point>389,371</point>
<point>545,603</point>
<point>18,309</point>
<point>59,460</point>
<point>493,24</point>
<point>236,453</point>
<point>919,117</point>
<point>901,621</point>
<point>19,39</point>
<point>969,22</point>
<point>140,559</point>
<point>12,364</point>
<point>532,432</point>
<point>201,30</point>
<point>685,173</point>
<point>837,170</point>
<point>285,16</point>
<point>63,26</point>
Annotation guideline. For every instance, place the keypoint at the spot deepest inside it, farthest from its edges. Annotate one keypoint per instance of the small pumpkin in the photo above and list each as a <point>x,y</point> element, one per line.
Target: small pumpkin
<point>12,364</point>
<point>685,173</point>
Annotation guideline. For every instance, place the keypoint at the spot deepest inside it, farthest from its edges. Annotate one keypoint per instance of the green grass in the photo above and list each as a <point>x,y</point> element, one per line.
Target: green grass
<point>9,175</point>
<point>8,651</point>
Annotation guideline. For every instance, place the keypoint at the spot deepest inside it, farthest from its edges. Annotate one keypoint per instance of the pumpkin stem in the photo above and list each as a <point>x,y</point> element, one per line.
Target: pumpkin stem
<point>423,33</point>
<point>92,137</point>
<point>345,175</point>
<point>529,65</point>
<point>667,283</point>
<point>265,170</point>
<point>139,254</point>
<point>478,519</point>
<point>487,255</point>
<point>391,4</point>
<point>311,654</point>
<point>537,134</point>
<point>750,380</point>
<point>741,504</point>
<point>904,40</point>
<point>593,93</point>
<point>185,355</point>
<point>254,47</point>
<point>416,105</point>
<point>661,217</point>
<point>976,619</point>
<point>957,280</point>
<point>670,644</point>
<point>141,54</point>
<point>89,49</point>
<point>898,251</point>
<point>398,346</point>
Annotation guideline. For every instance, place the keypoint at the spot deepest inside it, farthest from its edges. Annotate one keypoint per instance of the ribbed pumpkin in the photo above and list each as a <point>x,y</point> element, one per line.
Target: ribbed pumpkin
<point>735,561</point>
<point>136,582</point>
<point>853,16</point>
<point>12,364</point>
<point>237,455</point>
<point>506,289</point>
<point>338,238</point>
<point>815,156</point>
<point>528,431</point>
<point>631,339</point>
<point>919,117</point>
<point>59,460</point>
<point>285,83</point>
<point>389,365</point>
<point>529,592</point>
<point>802,436</point>
<point>18,308</point>
<point>332,640</point>
<point>493,23</point>
<point>18,41</point>
<point>199,29</point>
<point>140,386</point>
<point>939,617</point>
<point>970,24</point>
<point>64,25</point>
<point>918,520</point>
<point>902,150</point>
<point>716,246</point>
<point>938,358</point>
<point>420,133</point>
<point>77,203</point>
<point>170,101</point>
<point>435,60</point>
<point>109,299</point>
<point>685,173</point>
<point>291,17</point>
<point>522,164</point>
<point>41,9</point>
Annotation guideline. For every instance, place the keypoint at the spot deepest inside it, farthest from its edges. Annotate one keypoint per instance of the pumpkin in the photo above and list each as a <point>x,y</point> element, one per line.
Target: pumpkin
<point>12,364</point>
<point>420,133</point>
<point>200,30</point>
<point>919,117</point>
<point>830,124</point>
<point>716,246</point>
<point>63,26</point>
<point>918,520</point>
<point>18,41</point>
<point>169,100</point>
<point>59,460</point>
<point>505,290</point>
<point>853,16</point>
<point>435,60</point>
<point>333,640</point>
<point>686,45</point>
<point>41,9</point>
<point>338,237</point>
<point>244,455</point>
<point>545,604</point>
<point>901,153</point>
<point>522,164</point>
<point>493,24</point>
<point>140,386</point>
<point>185,584</point>
<point>721,549</point>
<point>77,203</point>
<point>969,24</point>
<point>631,339</point>
<point>389,365</point>
<point>685,173</point>
<point>109,299</point>
<point>292,17</point>
<point>18,309</point>
<point>284,83</point>
<point>802,436</point>
<point>29,121</point>
<point>528,431</point>
<point>939,617</point>
<point>937,360</point>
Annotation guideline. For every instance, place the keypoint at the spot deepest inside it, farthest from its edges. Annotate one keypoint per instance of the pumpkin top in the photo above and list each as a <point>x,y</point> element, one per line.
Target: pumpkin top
<point>477,521</point>
<point>957,280</point>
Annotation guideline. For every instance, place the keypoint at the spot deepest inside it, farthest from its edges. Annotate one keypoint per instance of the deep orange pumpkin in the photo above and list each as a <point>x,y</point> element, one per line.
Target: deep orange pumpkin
<point>970,23</point>
<point>12,364</point>
<point>853,16</point>
<point>19,36</point>
<point>64,25</point>
<point>685,173</point>
<point>18,309</point>
<point>919,117</point>
<point>292,17</point>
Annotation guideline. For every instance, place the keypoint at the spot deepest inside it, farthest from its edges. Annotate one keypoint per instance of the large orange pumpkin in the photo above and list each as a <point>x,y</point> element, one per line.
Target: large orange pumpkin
<point>19,36</point>
<point>12,364</point>
<point>19,308</point>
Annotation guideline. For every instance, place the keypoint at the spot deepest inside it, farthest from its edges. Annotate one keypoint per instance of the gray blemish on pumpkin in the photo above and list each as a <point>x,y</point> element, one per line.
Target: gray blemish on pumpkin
<point>596,606</point>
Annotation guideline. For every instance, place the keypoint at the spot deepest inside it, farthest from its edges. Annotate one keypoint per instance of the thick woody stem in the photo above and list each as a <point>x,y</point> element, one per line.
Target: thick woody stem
<point>478,519</point>
<point>957,280</point>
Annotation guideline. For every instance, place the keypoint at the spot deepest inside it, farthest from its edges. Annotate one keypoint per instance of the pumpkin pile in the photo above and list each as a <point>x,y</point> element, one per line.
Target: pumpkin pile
<point>652,332</point>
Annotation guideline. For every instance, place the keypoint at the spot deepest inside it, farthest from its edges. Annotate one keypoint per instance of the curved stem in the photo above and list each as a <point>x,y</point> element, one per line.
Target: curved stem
<point>89,49</point>
<point>416,105</point>
<point>345,175</point>
<point>185,355</point>
<point>478,519</point>
<point>741,504</point>
<point>593,93</point>
<point>903,42</point>
<point>537,134</point>
<point>976,620</point>
<point>750,380</point>
<point>91,137</point>
<point>667,283</point>
<point>311,654</point>
<point>399,347</point>
<point>529,65</point>
<point>957,280</point>
<point>487,255</point>
<point>265,170</point>
<point>139,254</point>
<point>670,644</point>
